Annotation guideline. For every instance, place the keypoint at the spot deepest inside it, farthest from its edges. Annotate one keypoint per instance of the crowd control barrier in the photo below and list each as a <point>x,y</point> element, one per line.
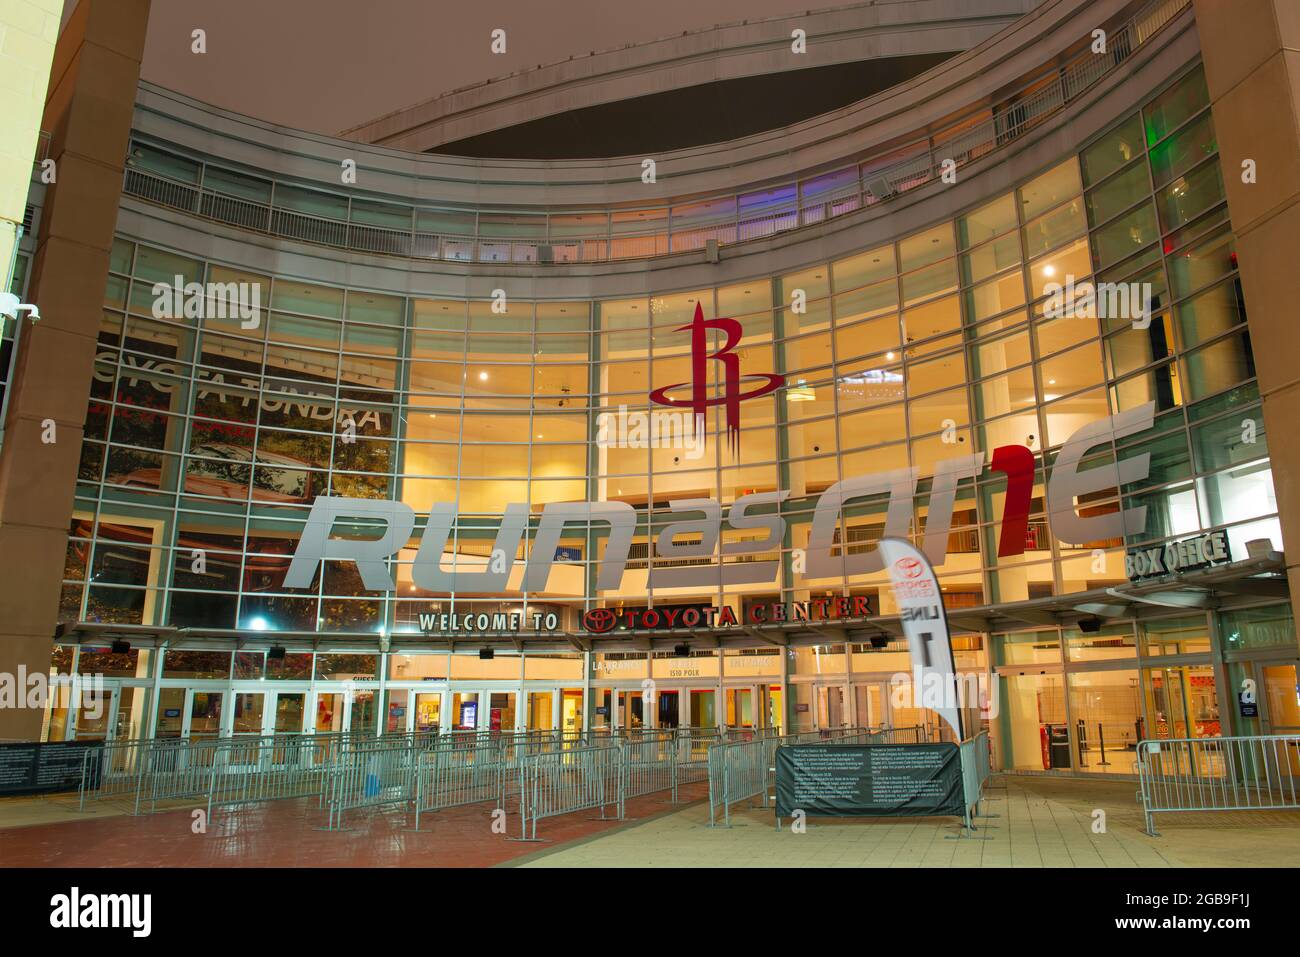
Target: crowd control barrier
<point>368,777</point>
<point>450,777</point>
<point>976,765</point>
<point>1218,774</point>
<point>562,782</point>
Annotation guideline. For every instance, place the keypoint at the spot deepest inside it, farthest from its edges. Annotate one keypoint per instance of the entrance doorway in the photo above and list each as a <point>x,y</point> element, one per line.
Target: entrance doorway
<point>667,713</point>
<point>186,713</point>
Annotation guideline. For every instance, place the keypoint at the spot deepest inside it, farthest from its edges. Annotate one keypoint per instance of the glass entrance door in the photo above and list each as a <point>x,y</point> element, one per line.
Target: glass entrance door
<point>204,714</point>
<point>290,712</point>
<point>428,711</point>
<point>1281,693</point>
<point>329,713</point>
<point>667,714</point>
<point>703,708</point>
<point>571,710</point>
<point>501,711</point>
<point>250,713</point>
<point>740,707</point>
<point>95,707</point>
<point>831,712</point>
<point>871,700</point>
<point>631,709</point>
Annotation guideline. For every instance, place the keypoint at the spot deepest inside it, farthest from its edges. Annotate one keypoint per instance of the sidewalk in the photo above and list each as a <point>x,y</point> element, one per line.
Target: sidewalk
<point>1033,822</point>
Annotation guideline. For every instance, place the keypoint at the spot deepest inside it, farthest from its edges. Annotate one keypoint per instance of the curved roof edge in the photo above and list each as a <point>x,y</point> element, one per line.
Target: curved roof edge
<point>839,35</point>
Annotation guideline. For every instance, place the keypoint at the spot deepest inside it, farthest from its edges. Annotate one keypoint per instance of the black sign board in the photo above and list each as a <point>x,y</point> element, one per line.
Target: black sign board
<point>44,768</point>
<point>883,780</point>
<point>1248,709</point>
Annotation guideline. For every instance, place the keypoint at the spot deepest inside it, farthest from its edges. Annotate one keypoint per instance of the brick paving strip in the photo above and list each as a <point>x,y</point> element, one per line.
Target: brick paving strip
<point>288,834</point>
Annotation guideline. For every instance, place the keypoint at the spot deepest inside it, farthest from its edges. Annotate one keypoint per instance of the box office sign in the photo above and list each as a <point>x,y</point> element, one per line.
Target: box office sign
<point>882,780</point>
<point>1196,552</point>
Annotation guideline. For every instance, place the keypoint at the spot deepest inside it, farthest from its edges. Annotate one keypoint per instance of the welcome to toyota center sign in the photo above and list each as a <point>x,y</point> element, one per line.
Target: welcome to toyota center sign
<point>1066,484</point>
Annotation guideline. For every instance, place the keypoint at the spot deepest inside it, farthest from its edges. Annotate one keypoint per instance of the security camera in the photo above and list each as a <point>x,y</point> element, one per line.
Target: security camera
<point>11,306</point>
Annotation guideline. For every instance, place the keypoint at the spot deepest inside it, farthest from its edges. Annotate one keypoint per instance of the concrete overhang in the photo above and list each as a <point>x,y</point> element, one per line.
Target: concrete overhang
<point>753,48</point>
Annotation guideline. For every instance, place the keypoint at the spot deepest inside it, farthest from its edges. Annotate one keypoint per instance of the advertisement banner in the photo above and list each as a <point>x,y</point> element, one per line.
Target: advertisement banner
<point>925,623</point>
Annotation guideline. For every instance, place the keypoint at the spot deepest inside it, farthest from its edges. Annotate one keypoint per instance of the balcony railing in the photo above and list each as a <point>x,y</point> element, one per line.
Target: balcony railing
<point>868,182</point>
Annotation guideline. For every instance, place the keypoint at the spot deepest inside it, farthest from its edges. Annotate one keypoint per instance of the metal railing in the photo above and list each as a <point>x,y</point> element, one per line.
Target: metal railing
<point>567,781</point>
<point>649,761</point>
<point>961,143</point>
<point>1218,774</point>
<point>451,777</point>
<point>976,766</point>
<point>369,777</point>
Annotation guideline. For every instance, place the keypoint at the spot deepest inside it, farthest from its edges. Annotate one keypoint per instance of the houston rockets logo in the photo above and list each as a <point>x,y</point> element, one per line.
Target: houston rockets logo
<point>731,397</point>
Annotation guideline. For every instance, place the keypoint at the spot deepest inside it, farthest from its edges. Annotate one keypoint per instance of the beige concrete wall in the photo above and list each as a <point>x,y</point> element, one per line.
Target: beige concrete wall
<point>88,114</point>
<point>1251,50</point>
<point>28,29</point>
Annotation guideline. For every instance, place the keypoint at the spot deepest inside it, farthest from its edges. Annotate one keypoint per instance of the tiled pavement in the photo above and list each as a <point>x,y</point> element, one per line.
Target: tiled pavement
<point>1032,822</point>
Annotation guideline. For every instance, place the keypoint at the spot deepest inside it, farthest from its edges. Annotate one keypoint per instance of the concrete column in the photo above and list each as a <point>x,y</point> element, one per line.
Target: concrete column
<point>1251,51</point>
<point>88,112</point>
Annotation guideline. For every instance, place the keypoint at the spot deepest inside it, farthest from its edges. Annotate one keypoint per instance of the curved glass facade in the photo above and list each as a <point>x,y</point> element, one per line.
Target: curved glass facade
<point>210,432</point>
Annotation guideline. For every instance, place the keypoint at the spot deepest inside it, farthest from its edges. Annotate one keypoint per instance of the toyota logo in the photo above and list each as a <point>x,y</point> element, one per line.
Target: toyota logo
<point>599,620</point>
<point>909,567</point>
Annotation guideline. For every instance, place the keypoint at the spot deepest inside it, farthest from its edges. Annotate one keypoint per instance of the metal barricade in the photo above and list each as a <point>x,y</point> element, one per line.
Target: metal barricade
<point>369,777</point>
<point>114,772</point>
<point>1218,774</point>
<point>450,777</point>
<point>975,770</point>
<point>270,770</point>
<point>561,782</point>
<point>648,761</point>
<point>691,764</point>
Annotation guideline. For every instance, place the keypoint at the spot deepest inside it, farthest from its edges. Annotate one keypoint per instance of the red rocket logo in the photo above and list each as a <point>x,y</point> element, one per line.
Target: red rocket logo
<point>731,397</point>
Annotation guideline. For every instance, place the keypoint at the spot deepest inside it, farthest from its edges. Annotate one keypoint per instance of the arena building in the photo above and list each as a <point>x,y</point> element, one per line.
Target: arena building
<point>579,399</point>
